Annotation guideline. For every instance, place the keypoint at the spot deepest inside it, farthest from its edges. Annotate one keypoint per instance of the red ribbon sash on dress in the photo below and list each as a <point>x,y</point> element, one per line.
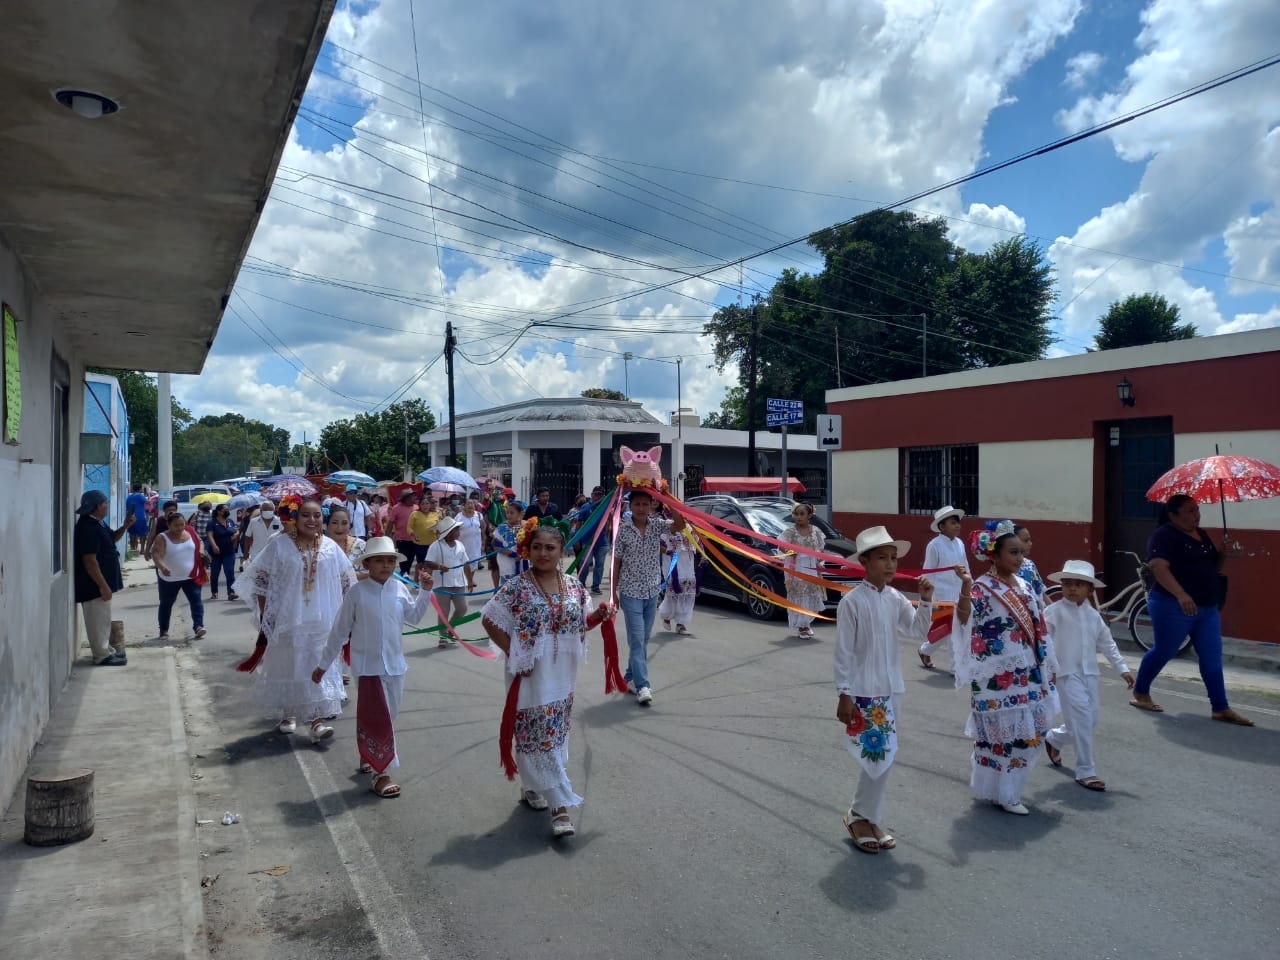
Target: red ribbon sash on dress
<point>507,731</point>
<point>375,736</point>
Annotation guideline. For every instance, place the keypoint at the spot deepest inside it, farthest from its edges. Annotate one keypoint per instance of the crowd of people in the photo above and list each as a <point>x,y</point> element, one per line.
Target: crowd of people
<point>327,582</point>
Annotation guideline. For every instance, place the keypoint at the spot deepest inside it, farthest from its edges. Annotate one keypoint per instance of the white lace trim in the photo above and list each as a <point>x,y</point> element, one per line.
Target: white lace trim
<point>1005,785</point>
<point>1006,724</point>
<point>545,772</point>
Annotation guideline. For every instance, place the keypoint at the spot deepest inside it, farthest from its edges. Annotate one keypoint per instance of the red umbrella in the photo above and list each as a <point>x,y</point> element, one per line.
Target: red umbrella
<point>1218,479</point>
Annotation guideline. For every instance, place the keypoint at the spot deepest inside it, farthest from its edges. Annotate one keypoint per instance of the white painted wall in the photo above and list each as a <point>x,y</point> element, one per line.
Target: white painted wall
<point>1259,444</point>
<point>865,481</point>
<point>1036,480</point>
<point>37,632</point>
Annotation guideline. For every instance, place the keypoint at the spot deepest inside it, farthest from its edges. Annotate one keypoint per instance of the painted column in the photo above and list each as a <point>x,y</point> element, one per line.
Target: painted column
<point>590,460</point>
<point>520,467</point>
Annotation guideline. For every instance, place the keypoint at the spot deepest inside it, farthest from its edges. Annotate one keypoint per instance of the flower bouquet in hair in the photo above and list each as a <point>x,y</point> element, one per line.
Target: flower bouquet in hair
<point>982,543</point>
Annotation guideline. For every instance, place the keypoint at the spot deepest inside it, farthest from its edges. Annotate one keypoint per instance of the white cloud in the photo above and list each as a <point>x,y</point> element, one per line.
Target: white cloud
<point>1251,321</point>
<point>1082,68</point>
<point>983,226</point>
<point>1209,163</point>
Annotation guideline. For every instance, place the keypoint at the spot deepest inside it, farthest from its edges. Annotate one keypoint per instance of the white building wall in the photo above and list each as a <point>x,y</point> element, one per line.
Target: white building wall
<point>37,630</point>
<point>1259,444</point>
<point>865,481</point>
<point>1036,480</point>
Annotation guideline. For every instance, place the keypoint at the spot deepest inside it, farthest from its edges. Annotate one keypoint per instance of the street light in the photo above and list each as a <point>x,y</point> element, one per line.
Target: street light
<point>626,373</point>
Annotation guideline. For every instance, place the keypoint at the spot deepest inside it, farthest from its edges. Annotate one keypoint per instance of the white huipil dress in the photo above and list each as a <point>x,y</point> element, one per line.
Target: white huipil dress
<point>297,623</point>
<point>802,593</point>
<point>678,605</point>
<point>548,644</point>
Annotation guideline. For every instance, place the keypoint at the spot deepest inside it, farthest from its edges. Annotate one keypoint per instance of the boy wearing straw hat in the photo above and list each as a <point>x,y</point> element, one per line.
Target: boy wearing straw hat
<point>372,614</point>
<point>1079,635</point>
<point>944,550</point>
<point>868,676</point>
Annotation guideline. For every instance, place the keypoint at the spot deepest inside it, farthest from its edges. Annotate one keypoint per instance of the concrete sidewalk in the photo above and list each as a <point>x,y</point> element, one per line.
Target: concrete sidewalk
<point>133,888</point>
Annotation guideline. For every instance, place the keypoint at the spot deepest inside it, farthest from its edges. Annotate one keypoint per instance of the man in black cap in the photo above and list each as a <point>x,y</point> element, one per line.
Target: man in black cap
<point>97,575</point>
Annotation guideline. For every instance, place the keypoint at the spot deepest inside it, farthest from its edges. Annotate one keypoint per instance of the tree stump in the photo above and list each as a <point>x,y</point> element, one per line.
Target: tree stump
<point>59,808</point>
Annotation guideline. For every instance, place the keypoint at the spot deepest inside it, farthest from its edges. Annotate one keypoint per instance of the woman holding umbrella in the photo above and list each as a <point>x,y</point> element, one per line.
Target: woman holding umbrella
<point>1184,600</point>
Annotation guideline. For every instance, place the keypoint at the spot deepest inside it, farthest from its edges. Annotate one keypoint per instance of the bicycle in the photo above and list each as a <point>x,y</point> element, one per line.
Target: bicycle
<point>1129,606</point>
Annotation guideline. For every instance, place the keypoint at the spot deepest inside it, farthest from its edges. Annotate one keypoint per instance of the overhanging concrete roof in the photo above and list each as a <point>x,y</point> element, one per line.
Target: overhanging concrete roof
<point>133,226</point>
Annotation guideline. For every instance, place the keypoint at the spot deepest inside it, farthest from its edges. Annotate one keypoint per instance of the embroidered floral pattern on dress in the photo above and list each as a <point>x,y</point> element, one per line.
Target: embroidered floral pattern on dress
<point>873,735</point>
<point>544,727</point>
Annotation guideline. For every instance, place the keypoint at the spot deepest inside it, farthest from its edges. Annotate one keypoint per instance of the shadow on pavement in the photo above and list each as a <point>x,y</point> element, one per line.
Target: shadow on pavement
<point>870,883</point>
<point>1199,731</point>
<point>255,746</point>
<point>985,828</point>
<point>525,833</point>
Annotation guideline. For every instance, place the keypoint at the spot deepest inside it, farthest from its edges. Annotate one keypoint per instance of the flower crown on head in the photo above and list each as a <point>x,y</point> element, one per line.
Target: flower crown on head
<point>524,536</point>
<point>642,483</point>
<point>289,506</point>
<point>982,543</point>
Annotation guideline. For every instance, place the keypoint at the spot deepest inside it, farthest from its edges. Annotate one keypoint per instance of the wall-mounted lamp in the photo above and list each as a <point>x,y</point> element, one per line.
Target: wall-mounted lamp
<point>1125,389</point>
<point>86,103</point>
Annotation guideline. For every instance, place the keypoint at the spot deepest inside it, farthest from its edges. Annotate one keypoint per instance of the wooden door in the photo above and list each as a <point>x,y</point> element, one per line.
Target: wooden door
<point>1138,452</point>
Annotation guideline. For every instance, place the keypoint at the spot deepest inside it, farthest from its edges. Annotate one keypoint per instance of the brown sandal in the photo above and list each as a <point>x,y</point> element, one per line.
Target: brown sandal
<point>1230,716</point>
<point>867,843</point>
<point>926,661</point>
<point>1055,755</point>
<point>384,788</point>
<point>1092,783</point>
<point>1146,704</point>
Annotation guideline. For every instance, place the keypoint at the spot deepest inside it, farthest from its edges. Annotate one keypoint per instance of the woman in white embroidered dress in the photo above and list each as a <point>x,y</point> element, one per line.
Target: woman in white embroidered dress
<point>297,582</point>
<point>682,585</point>
<point>539,619</point>
<point>802,593</point>
<point>338,529</point>
<point>1002,653</point>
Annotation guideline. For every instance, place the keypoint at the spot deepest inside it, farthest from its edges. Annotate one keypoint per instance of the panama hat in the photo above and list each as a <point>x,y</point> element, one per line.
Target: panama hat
<point>873,537</point>
<point>380,547</point>
<point>947,511</point>
<point>446,526</point>
<point>1077,570</point>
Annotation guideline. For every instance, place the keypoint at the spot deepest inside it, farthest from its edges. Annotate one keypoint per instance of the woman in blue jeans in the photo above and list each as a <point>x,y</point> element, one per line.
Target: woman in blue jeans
<point>1184,601</point>
<point>222,536</point>
<point>176,552</point>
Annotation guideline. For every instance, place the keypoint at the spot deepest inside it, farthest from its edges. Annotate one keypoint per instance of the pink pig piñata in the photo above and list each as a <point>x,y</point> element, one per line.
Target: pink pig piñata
<point>642,464</point>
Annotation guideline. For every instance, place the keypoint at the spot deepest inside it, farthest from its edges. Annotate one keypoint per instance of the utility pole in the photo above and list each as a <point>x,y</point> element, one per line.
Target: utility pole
<point>450,344</point>
<point>924,345</point>
<point>839,375</point>
<point>753,356</point>
<point>164,436</point>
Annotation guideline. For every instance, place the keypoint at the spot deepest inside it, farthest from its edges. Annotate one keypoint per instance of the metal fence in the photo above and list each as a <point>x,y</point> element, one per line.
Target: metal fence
<point>934,477</point>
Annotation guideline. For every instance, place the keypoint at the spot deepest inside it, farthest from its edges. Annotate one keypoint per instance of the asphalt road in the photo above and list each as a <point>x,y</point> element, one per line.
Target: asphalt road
<point>712,822</point>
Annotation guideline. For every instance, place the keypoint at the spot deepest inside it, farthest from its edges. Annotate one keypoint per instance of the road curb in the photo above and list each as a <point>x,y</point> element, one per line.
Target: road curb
<point>190,898</point>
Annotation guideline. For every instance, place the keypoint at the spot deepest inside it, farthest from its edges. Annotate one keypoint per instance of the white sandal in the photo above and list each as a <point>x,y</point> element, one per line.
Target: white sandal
<point>561,825</point>
<point>533,800</point>
<point>865,844</point>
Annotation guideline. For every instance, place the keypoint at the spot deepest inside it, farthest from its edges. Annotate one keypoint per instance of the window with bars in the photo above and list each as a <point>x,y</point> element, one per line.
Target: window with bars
<point>935,477</point>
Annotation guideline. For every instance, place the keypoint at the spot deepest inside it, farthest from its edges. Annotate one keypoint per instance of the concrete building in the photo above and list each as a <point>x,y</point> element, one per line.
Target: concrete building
<point>140,142</point>
<point>570,444</point>
<point>1053,445</point>
<point>104,444</point>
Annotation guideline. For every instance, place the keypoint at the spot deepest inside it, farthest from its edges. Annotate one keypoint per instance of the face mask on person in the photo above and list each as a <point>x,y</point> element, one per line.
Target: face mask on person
<point>268,514</point>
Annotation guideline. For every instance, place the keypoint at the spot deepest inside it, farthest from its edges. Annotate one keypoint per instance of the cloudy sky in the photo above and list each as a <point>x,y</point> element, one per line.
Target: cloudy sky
<point>568,179</point>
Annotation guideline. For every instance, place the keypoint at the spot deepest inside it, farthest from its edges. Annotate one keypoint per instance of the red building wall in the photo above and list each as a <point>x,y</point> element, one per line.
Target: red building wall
<point>1219,394</point>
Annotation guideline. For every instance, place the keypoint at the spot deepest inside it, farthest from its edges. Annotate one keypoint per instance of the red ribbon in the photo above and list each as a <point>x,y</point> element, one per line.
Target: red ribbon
<point>613,679</point>
<point>507,732</point>
<point>255,658</point>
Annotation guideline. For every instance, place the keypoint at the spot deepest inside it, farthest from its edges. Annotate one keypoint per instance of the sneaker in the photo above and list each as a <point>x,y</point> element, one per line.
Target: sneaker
<point>233,596</point>
<point>115,659</point>
<point>213,596</point>
<point>320,731</point>
<point>288,726</point>
<point>444,642</point>
<point>596,591</point>
<point>164,636</point>
<point>200,632</point>
<point>644,696</point>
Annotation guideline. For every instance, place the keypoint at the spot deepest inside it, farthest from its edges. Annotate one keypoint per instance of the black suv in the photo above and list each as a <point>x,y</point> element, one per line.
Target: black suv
<point>768,516</point>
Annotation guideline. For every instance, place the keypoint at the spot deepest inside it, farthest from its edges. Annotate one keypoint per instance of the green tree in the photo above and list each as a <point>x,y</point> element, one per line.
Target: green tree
<point>271,436</point>
<point>211,451</point>
<point>602,393</point>
<point>1140,319</point>
<point>140,400</point>
<point>375,443</point>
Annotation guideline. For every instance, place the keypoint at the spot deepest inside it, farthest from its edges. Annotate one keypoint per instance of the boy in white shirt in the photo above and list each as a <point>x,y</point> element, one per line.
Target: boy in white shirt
<point>944,550</point>
<point>373,614</point>
<point>1079,635</point>
<point>868,675</point>
<point>448,557</point>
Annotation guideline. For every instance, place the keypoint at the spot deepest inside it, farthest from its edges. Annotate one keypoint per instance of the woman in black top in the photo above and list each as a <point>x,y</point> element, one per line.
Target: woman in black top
<point>222,536</point>
<point>1184,601</point>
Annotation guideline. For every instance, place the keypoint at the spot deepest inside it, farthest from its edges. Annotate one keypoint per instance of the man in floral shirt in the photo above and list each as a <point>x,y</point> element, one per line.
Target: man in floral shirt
<point>637,578</point>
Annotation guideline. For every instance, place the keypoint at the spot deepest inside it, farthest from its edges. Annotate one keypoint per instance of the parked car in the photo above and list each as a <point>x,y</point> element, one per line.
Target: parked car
<point>768,516</point>
<point>184,494</point>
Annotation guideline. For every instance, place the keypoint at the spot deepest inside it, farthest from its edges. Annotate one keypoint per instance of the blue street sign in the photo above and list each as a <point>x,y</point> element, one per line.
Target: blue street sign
<point>782,418</point>
<point>778,405</point>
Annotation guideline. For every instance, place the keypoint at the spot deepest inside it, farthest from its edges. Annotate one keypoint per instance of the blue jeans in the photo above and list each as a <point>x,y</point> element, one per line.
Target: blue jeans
<point>222,563</point>
<point>1171,625</point>
<point>596,561</point>
<point>169,591</point>
<point>638,615</point>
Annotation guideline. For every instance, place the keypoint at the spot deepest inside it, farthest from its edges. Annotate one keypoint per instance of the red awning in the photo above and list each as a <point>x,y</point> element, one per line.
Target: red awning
<point>749,485</point>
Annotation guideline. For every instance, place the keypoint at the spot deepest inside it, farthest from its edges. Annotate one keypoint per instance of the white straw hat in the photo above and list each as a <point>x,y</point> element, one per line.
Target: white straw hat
<point>380,547</point>
<point>1077,570</point>
<point>947,511</point>
<point>874,537</point>
<point>445,525</point>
